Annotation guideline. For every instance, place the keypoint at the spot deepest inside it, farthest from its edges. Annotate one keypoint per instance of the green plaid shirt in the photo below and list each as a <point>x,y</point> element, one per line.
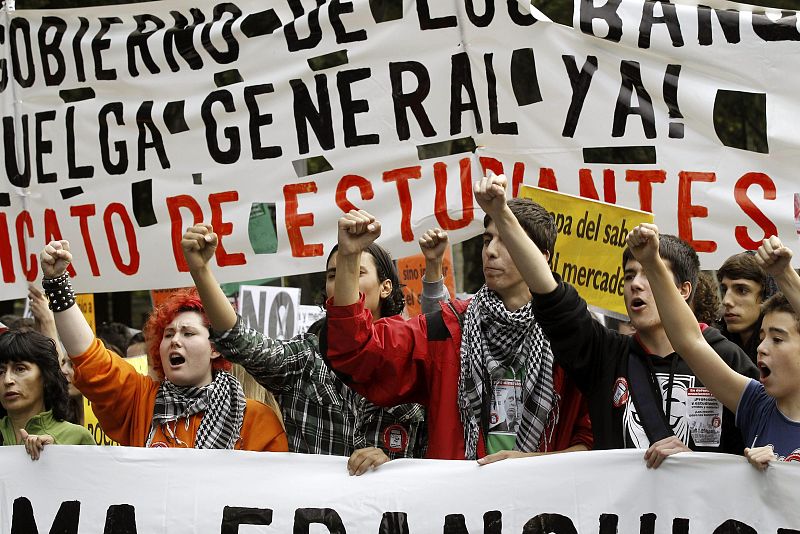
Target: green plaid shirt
<point>322,415</point>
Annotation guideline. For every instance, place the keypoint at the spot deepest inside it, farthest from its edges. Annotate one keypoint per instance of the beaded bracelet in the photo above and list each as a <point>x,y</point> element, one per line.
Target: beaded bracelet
<point>59,292</point>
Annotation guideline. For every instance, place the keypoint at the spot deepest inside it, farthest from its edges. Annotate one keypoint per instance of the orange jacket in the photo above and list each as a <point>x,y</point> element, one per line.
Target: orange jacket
<point>123,401</point>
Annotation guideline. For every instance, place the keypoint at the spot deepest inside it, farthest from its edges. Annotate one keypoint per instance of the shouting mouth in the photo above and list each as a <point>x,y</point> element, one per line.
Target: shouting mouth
<point>176,359</point>
<point>765,371</point>
<point>638,304</point>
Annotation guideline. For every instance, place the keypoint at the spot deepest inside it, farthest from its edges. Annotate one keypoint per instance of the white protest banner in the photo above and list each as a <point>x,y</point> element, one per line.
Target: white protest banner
<point>124,124</point>
<point>271,310</point>
<point>171,491</point>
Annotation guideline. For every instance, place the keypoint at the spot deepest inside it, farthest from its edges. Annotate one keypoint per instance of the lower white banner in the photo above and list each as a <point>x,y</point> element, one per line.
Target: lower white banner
<point>126,490</point>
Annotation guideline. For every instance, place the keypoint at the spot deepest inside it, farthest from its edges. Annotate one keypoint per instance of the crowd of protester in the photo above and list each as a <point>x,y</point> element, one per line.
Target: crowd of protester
<point>522,368</point>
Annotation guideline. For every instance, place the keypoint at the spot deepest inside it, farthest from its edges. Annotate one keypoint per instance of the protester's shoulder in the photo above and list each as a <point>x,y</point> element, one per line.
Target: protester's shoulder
<point>730,352</point>
<point>66,433</point>
<point>258,411</point>
<point>441,323</point>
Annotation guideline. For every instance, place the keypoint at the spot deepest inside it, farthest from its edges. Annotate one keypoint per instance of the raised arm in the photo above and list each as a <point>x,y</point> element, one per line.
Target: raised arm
<point>776,259</point>
<point>199,244</point>
<point>43,318</point>
<point>73,330</point>
<point>356,230</point>
<point>680,323</point>
<point>490,193</point>
<point>433,245</point>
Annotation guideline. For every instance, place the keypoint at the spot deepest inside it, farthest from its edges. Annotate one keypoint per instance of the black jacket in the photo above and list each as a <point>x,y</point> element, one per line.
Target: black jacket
<point>596,358</point>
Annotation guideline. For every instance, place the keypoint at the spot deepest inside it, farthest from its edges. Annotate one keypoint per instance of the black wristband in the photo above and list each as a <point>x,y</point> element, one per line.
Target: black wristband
<point>59,292</point>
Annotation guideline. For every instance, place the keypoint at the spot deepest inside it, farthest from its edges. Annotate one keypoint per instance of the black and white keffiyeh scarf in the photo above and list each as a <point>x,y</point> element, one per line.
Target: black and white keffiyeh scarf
<point>222,400</point>
<point>494,339</point>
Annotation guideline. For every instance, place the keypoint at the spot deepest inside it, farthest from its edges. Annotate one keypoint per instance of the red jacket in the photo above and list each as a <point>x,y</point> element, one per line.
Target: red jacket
<point>394,361</point>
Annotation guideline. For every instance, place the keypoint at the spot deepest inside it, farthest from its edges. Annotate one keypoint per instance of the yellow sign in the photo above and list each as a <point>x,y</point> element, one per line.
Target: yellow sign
<point>85,302</point>
<point>591,238</point>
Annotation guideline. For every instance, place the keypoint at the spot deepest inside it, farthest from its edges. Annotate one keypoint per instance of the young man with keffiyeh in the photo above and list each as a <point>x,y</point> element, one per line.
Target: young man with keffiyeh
<point>490,387</point>
<point>642,394</point>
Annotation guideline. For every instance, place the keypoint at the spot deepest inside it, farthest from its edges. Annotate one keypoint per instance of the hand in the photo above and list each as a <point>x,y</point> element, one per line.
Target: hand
<point>760,457</point>
<point>365,459</point>
<point>643,242</point>
<point>659,450</point>
<point>42,314</point>
<point>504,455</point>
<point>490,193</point>
<point>433,243</point>
<point>773,256</point>
<point>199,244</point>
<point>34,444</point>
<point>55,258</point>
<point>357,230</point>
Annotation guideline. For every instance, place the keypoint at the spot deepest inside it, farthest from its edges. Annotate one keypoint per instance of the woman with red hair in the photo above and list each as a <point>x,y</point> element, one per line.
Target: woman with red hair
<point>197,404</point>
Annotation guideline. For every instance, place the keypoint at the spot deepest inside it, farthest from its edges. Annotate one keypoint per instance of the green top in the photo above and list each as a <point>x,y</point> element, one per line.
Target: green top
<point>63,432</point>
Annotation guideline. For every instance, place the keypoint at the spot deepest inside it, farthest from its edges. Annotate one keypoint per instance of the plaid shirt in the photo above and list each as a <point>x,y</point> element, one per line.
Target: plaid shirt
<point>322,415</point>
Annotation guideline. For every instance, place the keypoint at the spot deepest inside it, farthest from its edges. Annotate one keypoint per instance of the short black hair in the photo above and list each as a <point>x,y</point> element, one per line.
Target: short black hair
<point>779,303</point>
<point>25,345</point>
<point>535,220</point>
<point>682,258</point>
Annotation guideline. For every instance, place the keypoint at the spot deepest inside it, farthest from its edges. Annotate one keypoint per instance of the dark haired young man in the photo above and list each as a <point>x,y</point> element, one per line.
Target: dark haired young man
<point>641,394</point>
<point>483,369</point>
<point>768,412</point>
<point>744,286</point>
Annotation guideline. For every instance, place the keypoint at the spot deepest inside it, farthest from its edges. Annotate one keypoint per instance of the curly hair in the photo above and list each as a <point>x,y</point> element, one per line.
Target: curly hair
<point>181,301</point>
<point>706,304</point>
<point>26,345</point>
<point>387,270</point>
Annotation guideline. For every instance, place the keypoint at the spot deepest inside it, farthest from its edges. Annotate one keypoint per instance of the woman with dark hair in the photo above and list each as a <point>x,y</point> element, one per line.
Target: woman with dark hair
<point>198,404</point>
<point>33,395</point>
<point>322,415</point>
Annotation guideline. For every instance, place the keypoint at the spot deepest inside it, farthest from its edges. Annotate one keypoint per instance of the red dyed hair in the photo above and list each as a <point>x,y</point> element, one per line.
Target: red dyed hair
<point>181,301</point>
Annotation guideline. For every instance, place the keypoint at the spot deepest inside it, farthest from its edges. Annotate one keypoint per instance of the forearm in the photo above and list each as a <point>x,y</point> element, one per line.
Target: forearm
<point>217,308</point>
<point>687,340</point>
<point>527,257</point>
<point>348,268</point>
<point>789,284</point>
<point>274,364</point>
<point>433,270</point>
<point>73,330</point>
<point>433,293</point>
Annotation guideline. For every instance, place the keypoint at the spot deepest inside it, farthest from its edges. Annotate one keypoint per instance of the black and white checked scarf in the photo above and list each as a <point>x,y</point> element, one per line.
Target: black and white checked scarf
<point>494,339</point>
<point>222,401</point>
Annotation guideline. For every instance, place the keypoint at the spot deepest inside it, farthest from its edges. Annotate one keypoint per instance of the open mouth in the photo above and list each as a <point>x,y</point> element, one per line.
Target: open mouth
<point>637,304</point>
<point>176,359</point>
<point>765,371</point>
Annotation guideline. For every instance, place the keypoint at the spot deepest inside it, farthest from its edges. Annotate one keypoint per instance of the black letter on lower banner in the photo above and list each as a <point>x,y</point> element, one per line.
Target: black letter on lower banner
<point>549,524</point>
<point>65,522</point>
<point>304,517</point>
<point>120,519</point>
<point>233,516</point>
